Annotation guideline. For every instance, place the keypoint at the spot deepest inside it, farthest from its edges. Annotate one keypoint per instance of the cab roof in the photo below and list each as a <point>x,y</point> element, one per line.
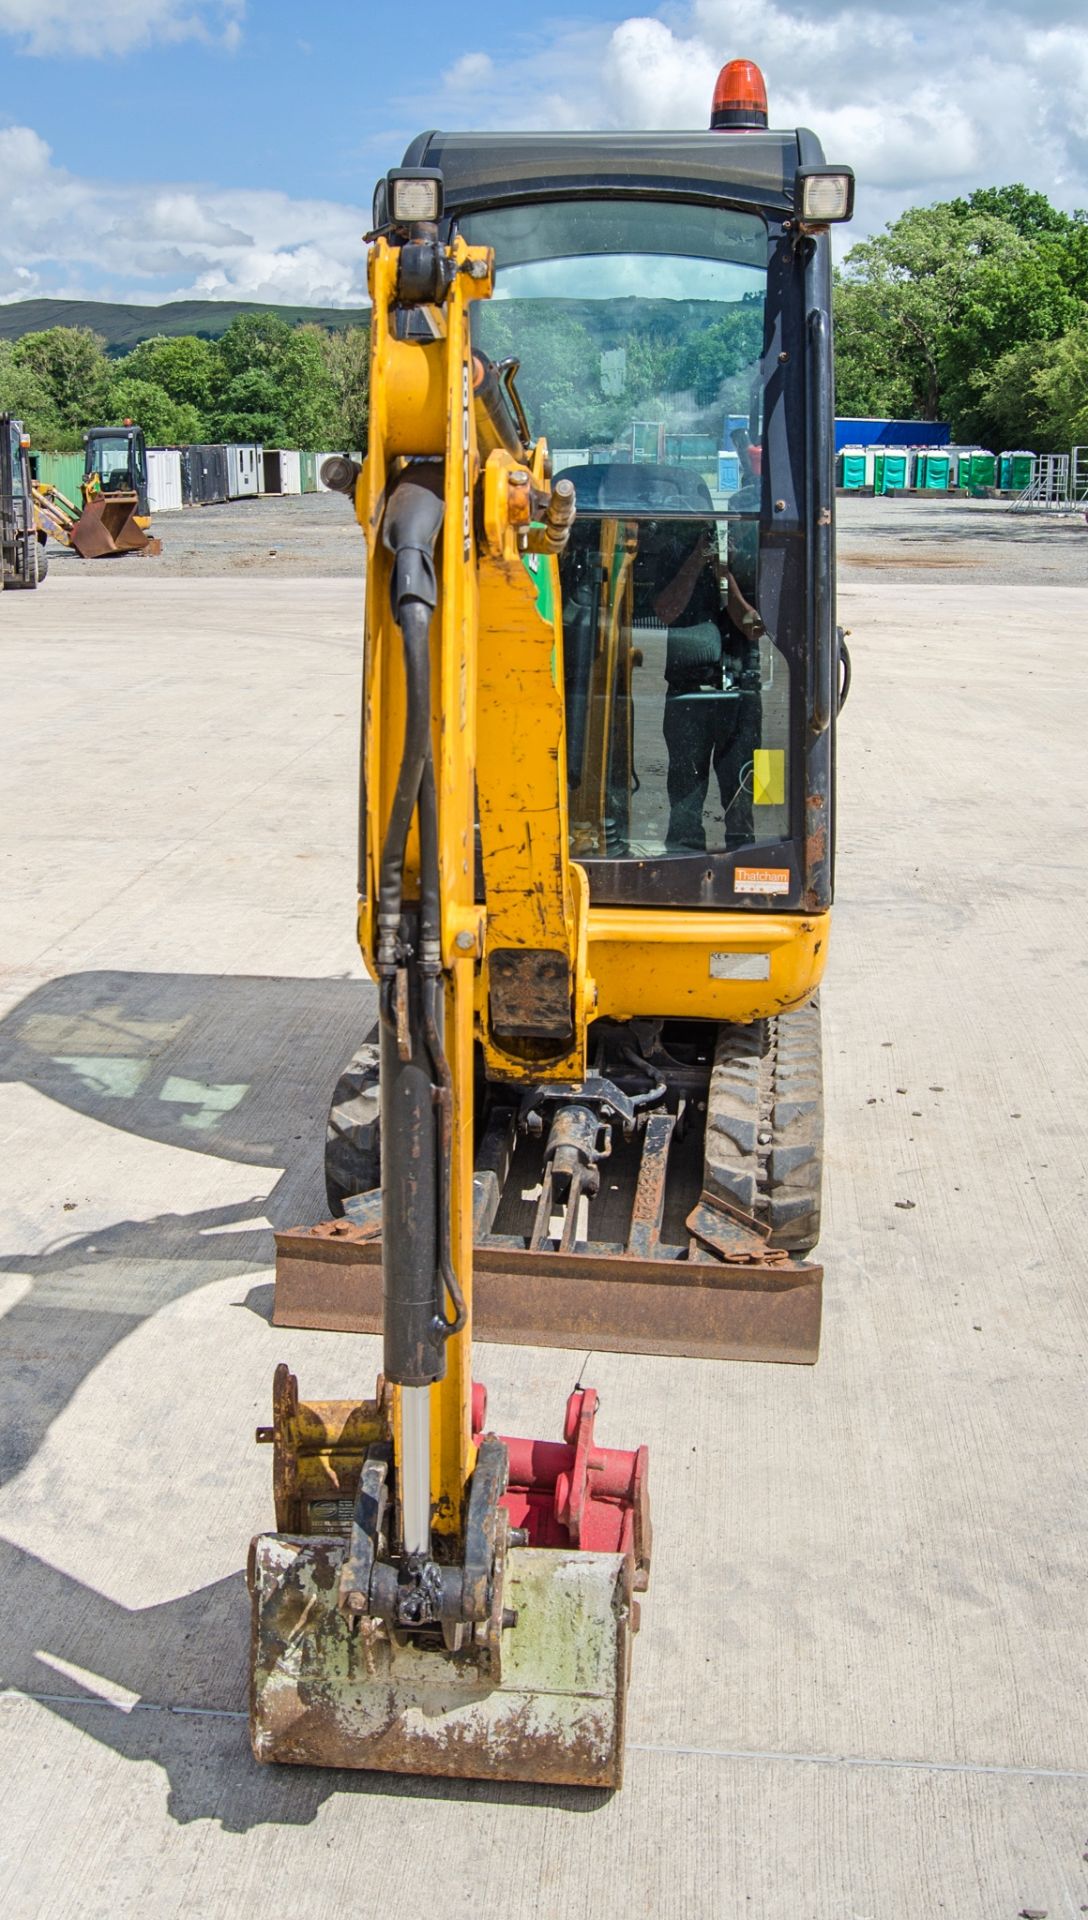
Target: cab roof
<point>749,167</point>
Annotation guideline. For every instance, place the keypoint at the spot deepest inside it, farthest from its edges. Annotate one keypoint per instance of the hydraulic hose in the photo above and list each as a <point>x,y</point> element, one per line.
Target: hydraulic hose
<point>413,517</point>
<point>415,624</point>
<point>430,954</point>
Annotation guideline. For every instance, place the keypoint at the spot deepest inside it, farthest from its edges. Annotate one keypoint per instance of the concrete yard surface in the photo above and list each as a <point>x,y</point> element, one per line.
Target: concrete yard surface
<point>859,1689</point>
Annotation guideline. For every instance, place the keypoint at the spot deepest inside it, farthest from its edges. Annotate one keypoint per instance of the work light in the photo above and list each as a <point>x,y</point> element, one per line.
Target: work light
<point>824,194</point>
<point>415,195</point>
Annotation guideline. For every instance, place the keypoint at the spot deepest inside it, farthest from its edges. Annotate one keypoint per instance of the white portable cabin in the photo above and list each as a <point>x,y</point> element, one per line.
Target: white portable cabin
<point>164,480</point>
<point>243,472</point>
<point>281,470</point>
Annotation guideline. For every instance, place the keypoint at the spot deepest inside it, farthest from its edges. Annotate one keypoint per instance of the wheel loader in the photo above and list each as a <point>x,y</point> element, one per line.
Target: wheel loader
<point>600,681</point>
<point>112,514</point>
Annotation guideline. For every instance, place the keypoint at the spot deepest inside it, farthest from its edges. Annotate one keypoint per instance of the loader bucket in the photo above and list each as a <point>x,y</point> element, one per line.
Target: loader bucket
<point>108,524</point>
<point>324,1695</point>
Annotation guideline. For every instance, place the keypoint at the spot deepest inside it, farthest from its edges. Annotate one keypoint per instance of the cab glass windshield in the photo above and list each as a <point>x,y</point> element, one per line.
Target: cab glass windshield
<point>639,329</point>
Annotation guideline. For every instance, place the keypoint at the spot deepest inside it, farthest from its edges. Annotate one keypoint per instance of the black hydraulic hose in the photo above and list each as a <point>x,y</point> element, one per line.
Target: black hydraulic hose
<point>413,517</point>
<point>415,622</point>
<point>431,967</point>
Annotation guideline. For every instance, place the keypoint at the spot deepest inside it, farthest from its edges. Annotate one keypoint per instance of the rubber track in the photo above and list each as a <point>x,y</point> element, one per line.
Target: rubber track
<point>764,1133</point>
<point>352,1148</point>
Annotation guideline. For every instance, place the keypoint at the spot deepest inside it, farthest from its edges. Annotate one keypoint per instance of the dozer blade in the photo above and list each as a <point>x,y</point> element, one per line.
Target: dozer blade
<point>108,525</point>
<point>615,1301</point>
<point>323,1695</point>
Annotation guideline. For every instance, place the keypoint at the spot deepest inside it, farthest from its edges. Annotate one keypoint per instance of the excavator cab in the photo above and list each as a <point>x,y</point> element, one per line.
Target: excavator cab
<point>671,324</point>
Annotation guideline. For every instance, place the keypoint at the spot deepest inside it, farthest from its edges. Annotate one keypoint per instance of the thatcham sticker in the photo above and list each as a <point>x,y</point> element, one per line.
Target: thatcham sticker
<point>761,880</point>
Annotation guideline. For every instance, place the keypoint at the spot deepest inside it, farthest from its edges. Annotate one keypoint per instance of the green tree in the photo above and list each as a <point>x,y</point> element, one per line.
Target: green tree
<point>347,360</point>
<point>275,385</point>
<point>1060,387</point>
<point>164,421</point>
<point>24,393</point>
<point>185,367</point>
<point>1028,213</point>
<point>71,364</point>
<point>250,407</point>
<point>915,280</point>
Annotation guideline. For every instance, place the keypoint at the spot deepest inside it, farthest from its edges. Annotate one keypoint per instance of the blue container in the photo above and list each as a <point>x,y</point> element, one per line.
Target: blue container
<point>890,433</point>
<point>728,472</point>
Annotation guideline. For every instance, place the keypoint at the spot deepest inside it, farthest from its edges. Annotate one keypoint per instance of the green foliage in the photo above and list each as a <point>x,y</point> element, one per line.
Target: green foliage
<point>1060,386</point>
<point>956,311</point>
<point>185,367</point>
<point>166,422</point>
<point>72,368</point>
<point>347,360</point>
<point>24,393</point>
<point>274,385</point>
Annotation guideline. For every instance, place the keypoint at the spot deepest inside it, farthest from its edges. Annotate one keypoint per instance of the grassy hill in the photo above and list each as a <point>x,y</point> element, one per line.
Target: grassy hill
<point>123,327</point>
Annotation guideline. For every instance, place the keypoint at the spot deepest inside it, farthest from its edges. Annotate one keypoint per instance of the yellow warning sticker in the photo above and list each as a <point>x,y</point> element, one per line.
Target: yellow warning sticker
<point>761,880</point>
<point>768,777</point>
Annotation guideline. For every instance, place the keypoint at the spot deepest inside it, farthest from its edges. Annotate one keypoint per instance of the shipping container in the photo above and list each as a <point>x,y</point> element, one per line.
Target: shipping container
<point>853,432</point>
<point>564,457</point>
<point>164,493</point>
<point>243,471</point>
<point>204,475</point>
<point>308,470</point>
<point>61,470</point>
<point>280,471</point>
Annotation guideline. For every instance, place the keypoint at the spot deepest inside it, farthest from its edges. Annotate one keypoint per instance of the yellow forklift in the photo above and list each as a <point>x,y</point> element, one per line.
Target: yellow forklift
<point>601,676</point>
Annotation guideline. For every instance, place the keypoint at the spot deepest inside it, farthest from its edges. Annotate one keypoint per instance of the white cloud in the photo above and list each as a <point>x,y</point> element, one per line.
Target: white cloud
<point>471,70</point>
<point>76,238</point>
<point>96,27</point>
<point>925,98</point>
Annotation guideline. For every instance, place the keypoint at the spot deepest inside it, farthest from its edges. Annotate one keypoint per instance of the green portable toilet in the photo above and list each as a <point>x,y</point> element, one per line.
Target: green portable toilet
<point>1015,470</point>
<point>935,471</point>
<point>852,469</point>
<point>308,471</point>
<point>978,468</point>
<point>891,470</point>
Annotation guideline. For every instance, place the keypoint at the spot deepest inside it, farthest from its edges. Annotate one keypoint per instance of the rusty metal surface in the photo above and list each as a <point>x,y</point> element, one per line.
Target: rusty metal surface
<point>733,1234</point>
<point>530,991</point>
<point>695,1307</point>
<point>107,525</point>
<point>319,1448</point>
<point>323,1695</point>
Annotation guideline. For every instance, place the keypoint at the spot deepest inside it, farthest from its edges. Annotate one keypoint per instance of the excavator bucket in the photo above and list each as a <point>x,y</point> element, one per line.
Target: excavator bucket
<point>537,1692</point>
<point>325,1694</point>
<point>109,524</point>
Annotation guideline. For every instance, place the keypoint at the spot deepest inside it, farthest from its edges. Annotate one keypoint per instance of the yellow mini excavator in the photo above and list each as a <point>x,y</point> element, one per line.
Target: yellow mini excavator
<point>601,677</point>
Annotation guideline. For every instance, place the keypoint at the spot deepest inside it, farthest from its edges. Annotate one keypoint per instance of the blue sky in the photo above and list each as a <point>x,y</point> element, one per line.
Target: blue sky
<point>228,148</point>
